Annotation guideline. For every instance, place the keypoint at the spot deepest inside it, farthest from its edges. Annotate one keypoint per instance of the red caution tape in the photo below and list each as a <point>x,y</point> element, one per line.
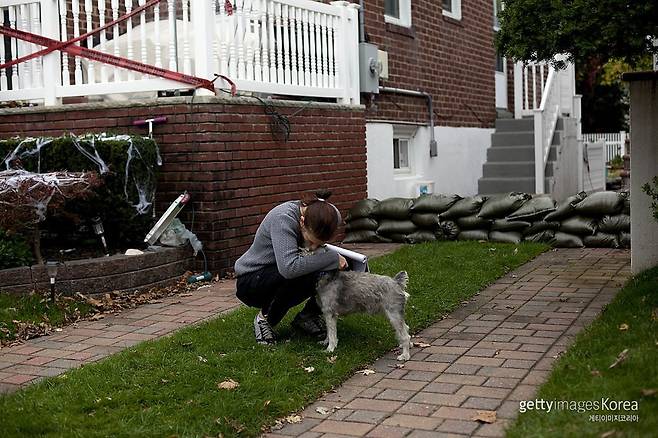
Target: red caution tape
<point>105,58</point>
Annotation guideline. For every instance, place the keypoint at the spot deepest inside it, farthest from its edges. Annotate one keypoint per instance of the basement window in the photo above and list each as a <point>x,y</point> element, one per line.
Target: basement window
<point>401,155</point>
<point>398,12</point>
<point>452,9</point>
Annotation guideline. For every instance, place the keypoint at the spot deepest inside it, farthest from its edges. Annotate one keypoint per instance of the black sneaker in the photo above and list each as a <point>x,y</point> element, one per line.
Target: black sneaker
<point>263,331</point>
<point>312,325</point>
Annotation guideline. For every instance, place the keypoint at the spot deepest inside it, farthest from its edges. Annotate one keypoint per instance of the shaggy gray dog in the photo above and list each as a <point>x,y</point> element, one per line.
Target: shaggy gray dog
<point>344,292</point>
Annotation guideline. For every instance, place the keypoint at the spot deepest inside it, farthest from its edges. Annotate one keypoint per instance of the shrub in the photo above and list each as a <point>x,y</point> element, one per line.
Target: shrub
<point>14,251</point>
<point>127,181</point>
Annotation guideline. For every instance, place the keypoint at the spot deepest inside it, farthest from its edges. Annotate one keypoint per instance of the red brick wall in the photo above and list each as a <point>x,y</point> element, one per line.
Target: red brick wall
<point>452,60</point>
<point>224,155</point>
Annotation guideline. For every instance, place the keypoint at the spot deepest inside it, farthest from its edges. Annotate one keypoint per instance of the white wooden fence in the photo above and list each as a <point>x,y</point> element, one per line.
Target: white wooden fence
<point>615,143</point>
<point>285,47</point>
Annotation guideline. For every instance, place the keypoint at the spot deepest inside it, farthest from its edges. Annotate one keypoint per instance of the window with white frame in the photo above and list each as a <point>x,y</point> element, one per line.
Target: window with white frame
<point>398,12</point>
<point>403,148</point>
<point>401,155</point>
<point>452,9</point>
<point>500,60</point>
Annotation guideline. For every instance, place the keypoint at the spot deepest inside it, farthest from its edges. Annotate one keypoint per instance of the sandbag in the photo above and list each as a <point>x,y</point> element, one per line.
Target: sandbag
<point>421,236</point>
<point>541,237</point>
<point>499,206</point>
<point>473,222</point>
<point>565,240</point>
<point>600,204</point>
<point>601,240</point>
<point>388,227</point>
<point>540,226</point>
<point>615,224</point>
<point>394,208</point>
<point>399,238</point>
<point>534,209</point>
<point>449,229</point>
<point>566,208</point>
<point>625,240</point>
<point>364,236</point>
<point>363,223</point>
<point>505,236</point>
<point>434,203</point>
<point>509,225</point>
<point>464,207</point>
<point>578,225</point>
<point>473,235</point>
<point>363,208</point>
<point>425,220</point>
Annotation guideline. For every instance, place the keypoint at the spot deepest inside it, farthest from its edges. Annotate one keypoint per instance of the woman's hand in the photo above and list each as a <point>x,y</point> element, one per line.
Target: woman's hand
<point>342,263</point>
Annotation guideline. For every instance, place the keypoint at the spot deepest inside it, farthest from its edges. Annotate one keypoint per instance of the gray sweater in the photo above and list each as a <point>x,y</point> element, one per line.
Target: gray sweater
<point>277,241</point>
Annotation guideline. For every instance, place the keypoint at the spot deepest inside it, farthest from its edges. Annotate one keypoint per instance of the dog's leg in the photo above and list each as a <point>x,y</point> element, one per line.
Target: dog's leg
<point>332,334</point>
<point>401,332</point>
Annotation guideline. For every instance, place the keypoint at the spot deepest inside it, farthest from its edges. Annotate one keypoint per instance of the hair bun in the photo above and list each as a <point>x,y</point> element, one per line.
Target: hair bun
<point>323,194</point>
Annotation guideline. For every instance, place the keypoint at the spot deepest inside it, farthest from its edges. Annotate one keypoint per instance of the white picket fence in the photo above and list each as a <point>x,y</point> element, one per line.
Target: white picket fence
<point>284,47</point>
<point>615,143</point>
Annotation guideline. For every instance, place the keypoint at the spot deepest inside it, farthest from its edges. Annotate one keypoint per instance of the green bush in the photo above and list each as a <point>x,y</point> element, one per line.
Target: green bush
<point>653,194</point>
<point>14,251</point>
<point>114,201</point>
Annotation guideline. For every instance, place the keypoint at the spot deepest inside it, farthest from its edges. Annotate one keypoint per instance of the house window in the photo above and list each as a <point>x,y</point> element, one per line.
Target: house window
<point>498,6</point>
<point>401,154</point>
<point>500,62</point>
<point>398,12</point>
<point>452,9</point>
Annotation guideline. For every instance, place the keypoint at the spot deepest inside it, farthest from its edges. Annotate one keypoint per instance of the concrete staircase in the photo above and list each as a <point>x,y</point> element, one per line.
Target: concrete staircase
<point>510,165</point>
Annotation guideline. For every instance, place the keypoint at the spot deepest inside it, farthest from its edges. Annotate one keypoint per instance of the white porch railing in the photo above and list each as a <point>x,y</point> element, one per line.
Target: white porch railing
<point>283,47</point>
<point>615,143</point>
<point>545,94</point>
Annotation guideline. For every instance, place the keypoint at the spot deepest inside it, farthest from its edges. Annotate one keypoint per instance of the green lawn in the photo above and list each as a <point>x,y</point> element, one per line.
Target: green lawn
<point>36,311</point>
<point>168,387</point>
<point>583,373</point>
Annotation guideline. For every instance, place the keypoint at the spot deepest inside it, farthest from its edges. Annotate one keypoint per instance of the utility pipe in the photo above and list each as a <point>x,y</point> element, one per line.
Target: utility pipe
<point>430,108</point>
<point>362,21</point>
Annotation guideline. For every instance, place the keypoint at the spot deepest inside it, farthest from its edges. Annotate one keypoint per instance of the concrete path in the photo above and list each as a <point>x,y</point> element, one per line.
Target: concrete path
<point>487,355</point>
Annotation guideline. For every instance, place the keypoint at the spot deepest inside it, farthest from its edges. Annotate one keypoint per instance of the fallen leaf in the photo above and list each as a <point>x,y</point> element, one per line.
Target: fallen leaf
<point>97,316</point>
<point>399,365</point>
<point>228,384</point>
<point>164,381</point>
<point>202,359</point>
<point>321,410</point>
<point>516,251</point>
<point>421,344</point>
<point>366,372</point>
<point>507,306</point>
<point>623,327</point>
<point>608,434</point>
<point>620,358</point>
<point>485,417</point>
<point>185,295</point>
<point>267,402</point>
<point>654,314</point>
<point>649,392</point>
<point>292,419</point>
<point>595,373</point>
<point>332,359</point>
<point>309,369</point>
<point>58,329</point>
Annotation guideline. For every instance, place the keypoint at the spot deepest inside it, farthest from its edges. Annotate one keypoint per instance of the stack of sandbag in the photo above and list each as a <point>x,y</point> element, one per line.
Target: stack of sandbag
<point>361,223</point>
<point>425,214</point>
<point>497,210</point>
<point>599,220</point>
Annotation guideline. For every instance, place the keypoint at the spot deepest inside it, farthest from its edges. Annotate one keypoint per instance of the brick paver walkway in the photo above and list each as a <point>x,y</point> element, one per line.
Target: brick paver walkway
<point>89,341</point>
<point>487,355</point>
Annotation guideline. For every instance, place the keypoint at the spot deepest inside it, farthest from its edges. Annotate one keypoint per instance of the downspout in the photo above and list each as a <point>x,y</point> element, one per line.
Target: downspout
<point>430,108</point>
<point>362,21</point>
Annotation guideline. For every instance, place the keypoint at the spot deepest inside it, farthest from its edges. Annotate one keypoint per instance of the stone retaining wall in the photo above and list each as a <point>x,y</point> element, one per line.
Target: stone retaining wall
<point>103,274</point>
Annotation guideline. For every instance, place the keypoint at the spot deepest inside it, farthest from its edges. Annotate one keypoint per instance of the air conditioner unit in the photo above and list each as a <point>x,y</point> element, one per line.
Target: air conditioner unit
<point>424,187</point>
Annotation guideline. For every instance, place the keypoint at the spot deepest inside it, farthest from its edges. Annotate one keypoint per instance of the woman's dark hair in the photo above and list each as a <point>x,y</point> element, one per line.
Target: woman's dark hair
<point>321,217</point>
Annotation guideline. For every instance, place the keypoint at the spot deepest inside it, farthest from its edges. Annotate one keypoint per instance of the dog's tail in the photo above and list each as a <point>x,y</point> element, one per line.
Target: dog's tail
<point>402,278</point>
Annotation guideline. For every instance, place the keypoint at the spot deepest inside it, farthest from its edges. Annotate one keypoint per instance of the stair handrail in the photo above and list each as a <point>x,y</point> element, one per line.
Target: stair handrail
<point>545,121</point>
